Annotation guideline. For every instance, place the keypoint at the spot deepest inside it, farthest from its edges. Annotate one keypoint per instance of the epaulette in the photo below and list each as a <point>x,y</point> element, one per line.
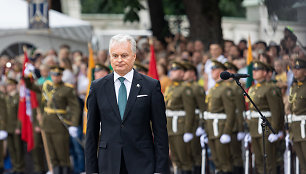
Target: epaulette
<point>48,82</point>
<point>69,85</point>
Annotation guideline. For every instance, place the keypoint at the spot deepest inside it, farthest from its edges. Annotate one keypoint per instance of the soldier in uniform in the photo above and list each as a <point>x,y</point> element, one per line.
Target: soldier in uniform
<point>219,120</point>
<point>13,127</point>
<point>101,71</point>
<point>180,112</point>
<point>297,100</point>
<point>238,129</point>
<point>60,118</point>
<point>140,68</point>
<point>190,78</point>
<point>3,133</point>
<point>268,99</point>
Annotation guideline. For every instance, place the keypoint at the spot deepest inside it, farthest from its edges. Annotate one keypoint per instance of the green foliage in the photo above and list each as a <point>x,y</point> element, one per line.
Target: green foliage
<point>231,8</point>
<point>174,7</point>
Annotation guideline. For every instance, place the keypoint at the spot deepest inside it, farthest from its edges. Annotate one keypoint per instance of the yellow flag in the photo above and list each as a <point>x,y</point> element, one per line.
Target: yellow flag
<point>90,76</point>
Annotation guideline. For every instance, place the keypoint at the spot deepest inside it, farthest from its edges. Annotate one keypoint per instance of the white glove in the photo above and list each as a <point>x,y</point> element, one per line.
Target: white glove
<point>203,140</point>
<point>240,136</point>
<point>29,69</point>
<point>247,140</point>
<point>200,131</point>
<point>225,138</point>
<point>73,131</point>
<point>273,137</point>
<point>3,134</point>
<point>187,137</point>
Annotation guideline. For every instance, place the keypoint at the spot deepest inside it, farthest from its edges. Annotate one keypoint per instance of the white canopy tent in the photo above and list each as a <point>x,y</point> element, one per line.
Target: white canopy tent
<point>63,29</point>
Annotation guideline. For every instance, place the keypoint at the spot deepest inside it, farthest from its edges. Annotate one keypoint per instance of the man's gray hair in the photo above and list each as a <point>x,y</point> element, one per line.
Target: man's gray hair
<point>119,38</point>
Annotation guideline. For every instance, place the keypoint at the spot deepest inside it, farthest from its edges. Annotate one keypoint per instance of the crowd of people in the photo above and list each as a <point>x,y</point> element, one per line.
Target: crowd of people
<point>178,60</point>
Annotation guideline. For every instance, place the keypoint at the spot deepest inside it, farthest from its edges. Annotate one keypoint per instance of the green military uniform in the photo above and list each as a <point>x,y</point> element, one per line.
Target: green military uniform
<point>61,109</point>
<point>219,120</point>
<point>199,97</point>
<point>38,150</point>
<point>100,67</point>
<point>3,114</point>
<point>235,145</point>
<point>140,67</point>
<point>268,99</point>
<point>180,114</point>
<point>297,100</point>
<point>14,142</point>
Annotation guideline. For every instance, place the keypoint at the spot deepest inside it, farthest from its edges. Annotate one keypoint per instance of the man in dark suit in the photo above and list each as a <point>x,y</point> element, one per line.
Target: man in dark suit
<point>129,109</point>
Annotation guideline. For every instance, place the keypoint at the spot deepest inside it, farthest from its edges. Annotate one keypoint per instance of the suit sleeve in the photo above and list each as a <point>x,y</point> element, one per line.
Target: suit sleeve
<point>159,126</point>
<point>92,132</point>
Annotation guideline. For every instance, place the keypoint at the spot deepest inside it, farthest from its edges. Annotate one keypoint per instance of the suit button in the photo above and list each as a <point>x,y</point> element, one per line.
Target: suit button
<point>122,126</point>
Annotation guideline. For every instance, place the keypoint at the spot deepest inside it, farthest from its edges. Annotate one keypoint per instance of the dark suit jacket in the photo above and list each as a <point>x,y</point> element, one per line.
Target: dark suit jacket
<point>132,136</point>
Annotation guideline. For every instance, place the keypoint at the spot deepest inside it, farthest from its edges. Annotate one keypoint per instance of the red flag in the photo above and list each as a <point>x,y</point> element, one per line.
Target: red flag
<point>27,102</point>
<point>152,67</point>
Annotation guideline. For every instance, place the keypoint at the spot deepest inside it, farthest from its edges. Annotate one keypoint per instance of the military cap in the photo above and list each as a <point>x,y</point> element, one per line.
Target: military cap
<point>258,65</point>
<point>99,67</point>
<point>230,65</point>
<point>216,64</point>
<point>56,70</point>
<point>299,64</point>
<point>270,68</point>
<point>176,65</point>
<point>189,66</point>
<point>140,67</point>
<point>11,81</point>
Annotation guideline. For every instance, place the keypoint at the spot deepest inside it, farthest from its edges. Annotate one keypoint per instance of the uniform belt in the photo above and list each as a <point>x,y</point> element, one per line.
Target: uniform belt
<point>55,111</point>
<point>175,115</point>
<point>254,114</point>
<point>296,118</point>
<point>215,117</point>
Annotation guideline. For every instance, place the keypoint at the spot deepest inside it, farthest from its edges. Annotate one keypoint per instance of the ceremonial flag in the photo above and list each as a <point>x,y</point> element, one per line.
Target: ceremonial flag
<point>249,65</point>
<point>91,77</point>
<point>152,67</point>
<point>27,102</point>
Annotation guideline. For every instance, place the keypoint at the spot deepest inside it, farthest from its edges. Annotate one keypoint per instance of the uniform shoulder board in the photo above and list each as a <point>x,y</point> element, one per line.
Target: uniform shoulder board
<point>48,82</point>
<point>69,85</point>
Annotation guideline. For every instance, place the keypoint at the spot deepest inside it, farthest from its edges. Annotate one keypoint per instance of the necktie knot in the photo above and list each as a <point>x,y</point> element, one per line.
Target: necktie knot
<point>121,79</point>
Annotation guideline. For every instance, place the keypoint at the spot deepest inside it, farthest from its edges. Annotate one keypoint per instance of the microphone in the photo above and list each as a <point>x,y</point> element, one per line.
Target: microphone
<point>226,75</point>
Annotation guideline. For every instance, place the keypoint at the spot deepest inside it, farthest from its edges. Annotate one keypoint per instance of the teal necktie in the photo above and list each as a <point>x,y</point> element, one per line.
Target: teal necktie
<point>122,97</point>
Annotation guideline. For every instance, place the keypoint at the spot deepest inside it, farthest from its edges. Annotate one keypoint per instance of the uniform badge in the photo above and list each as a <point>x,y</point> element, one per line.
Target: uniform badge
<point>138,85</point>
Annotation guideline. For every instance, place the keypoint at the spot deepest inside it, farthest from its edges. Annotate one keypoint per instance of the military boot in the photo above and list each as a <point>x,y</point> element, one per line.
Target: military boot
<point>186,172</point>
<point>57,170</point>
<point>196,170</point>
<point>66,170</point>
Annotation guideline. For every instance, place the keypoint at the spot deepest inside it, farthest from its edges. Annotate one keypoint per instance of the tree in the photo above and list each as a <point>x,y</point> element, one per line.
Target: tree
<point>205,20</point>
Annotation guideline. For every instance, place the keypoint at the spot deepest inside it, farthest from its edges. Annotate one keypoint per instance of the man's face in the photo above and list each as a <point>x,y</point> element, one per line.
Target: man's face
<point>299,74</point>
<point>100,74</point>
<point>56,78</point>
<point>177,74</point>
<point>215,50</point>
<point>189,75</point>
<point>215,73</point>
<point>259,75</point>
<point>122,57</point>
<point>10,87</point>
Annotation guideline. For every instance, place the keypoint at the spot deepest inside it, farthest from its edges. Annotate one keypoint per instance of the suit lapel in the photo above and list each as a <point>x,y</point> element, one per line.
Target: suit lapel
<point>111,94</point>
<point>135,88</point>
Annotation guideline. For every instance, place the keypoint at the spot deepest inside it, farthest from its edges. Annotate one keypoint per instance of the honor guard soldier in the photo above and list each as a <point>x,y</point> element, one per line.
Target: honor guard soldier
<point>238,128</point>
<point>101,71</point>
<point>180,112</point>
<point>190,78</point>
<point>268,99</point>
<point>3,132</point>
<point>60,118</point>
<point>13,127</point>
<point>297,100</point>
<point>140,68</point>
<point>219,120</point>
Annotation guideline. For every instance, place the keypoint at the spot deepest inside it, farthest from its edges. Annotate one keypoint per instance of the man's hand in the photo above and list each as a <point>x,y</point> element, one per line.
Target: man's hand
<point>240,136</point>
<point>187,137</point>
<point>225,138</point>
<point>200,131</point>
<point>247,140</point>
<point>73,131</point>
<point>17,131</point>
<point>3,134</point>
<point>37,129</point>
<point>272,138</point>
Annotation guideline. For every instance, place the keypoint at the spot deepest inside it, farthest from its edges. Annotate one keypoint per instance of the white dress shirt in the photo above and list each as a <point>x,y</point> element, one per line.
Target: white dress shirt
<point>127,82</point>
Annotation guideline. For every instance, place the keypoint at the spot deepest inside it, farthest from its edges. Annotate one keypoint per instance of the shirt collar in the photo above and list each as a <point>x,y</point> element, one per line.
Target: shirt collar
<point>128,76</point>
